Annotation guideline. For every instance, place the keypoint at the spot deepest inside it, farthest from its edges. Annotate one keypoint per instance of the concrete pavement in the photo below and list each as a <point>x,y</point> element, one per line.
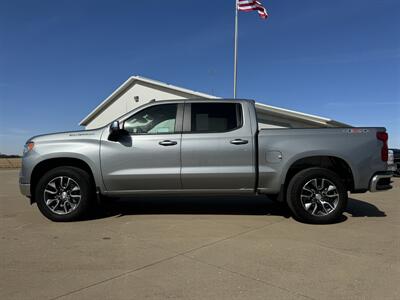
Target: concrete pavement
<point>199,248</point>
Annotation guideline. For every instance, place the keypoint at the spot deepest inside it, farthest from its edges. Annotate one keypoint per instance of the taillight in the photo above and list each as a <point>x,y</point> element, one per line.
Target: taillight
<point>383,136</point>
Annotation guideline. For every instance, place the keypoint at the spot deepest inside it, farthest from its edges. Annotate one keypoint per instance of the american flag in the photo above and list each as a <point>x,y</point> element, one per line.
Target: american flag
<point>249,5</point>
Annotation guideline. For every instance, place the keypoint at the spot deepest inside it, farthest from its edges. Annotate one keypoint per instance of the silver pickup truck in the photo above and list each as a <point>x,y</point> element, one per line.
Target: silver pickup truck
<point>204,147</point>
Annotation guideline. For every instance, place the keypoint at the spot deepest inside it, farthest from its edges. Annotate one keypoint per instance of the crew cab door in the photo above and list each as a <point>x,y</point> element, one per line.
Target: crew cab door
<point>217,148</point>
<point>146,157</point>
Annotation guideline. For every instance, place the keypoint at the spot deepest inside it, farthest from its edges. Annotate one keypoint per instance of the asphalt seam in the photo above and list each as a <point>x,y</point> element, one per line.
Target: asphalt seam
<point>230,237</point>
<point>184,254</point>
<point>161,261</point>
<point>115,277</point>
<point>249,277</point>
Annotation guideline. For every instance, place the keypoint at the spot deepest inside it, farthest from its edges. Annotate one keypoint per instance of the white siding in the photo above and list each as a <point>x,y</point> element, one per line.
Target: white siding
<point>276,120</point>
<point>126,102</point>
<point>268,126</point>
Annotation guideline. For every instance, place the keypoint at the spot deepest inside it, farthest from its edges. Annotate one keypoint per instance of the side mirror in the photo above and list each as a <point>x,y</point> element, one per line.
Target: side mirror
<point>114,131</point>
<point>114,127</point>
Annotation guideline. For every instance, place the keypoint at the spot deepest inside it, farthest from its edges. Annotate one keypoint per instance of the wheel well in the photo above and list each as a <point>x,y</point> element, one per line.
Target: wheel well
<point>49,164</point>
<point>335,164</point>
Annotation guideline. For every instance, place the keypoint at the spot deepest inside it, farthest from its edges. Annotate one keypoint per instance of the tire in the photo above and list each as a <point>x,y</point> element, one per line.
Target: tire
<point>397,172</point>
<point>68,192</point>
<point>317,195</point>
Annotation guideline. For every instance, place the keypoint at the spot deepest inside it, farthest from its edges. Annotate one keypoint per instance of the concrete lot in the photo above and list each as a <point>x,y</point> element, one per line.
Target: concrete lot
<point>214,248</point>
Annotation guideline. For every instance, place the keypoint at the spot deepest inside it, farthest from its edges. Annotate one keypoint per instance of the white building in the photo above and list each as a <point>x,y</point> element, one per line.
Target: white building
<point>138,90</point>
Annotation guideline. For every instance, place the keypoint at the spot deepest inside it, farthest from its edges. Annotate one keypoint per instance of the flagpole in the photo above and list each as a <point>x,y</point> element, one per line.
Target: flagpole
<point>236,52</point>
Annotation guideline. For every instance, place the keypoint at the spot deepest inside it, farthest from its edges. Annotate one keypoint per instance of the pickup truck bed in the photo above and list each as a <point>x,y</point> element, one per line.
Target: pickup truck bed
<point>356,150</point>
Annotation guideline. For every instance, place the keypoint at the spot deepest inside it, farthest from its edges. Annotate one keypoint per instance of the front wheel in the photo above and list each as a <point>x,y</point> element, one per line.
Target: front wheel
<point>317,195</point>
<point>64,194</point>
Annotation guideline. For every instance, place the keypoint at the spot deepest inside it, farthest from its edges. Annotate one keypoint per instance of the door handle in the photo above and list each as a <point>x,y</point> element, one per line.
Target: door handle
<point>167,143</point>
<point>239,142</point>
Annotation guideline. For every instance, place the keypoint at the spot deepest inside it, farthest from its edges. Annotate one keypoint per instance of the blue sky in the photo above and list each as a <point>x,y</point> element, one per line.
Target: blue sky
<point>59,59</point>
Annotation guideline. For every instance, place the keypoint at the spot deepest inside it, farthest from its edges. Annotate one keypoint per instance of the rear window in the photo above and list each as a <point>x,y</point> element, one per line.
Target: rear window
<point>215,117</point>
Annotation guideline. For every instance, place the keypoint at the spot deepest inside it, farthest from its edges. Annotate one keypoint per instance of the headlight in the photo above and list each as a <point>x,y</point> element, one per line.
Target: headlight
<point>28,147</point>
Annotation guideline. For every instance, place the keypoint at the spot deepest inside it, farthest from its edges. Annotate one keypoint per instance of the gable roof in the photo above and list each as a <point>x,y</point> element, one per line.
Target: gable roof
<point>298,115</point>
<point>128,83</point>
<point>259,106</point>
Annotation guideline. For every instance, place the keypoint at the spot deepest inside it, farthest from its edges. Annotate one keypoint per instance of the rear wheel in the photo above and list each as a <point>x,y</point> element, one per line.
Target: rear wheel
<point>317,195</point>
<point>64,194</point>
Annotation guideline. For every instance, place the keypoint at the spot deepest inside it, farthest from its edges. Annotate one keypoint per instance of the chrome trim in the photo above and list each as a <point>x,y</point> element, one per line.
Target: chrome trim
<point>25,189</point>
<point>374,182</point>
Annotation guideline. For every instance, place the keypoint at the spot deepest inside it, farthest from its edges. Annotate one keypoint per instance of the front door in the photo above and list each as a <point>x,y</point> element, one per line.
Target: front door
<point>217,149</point>
<point>147,156</point>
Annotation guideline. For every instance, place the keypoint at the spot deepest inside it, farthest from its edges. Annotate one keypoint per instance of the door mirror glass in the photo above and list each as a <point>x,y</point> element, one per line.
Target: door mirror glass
<point>115,131</point>
<point>114,127</point>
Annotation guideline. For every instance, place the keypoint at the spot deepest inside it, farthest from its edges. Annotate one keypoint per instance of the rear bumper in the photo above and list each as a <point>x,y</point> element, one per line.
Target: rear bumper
<point>381,182</point>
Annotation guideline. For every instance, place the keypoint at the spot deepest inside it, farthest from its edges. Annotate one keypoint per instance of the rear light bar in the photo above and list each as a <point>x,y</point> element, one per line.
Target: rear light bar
<point>383,136</point>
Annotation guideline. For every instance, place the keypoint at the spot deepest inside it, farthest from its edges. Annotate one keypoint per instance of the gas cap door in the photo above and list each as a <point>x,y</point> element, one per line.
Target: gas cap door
<point>274,157</point>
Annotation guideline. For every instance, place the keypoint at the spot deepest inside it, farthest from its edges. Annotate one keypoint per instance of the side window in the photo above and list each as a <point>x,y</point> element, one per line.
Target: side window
<point>157,119</point>
<point>215,117</point>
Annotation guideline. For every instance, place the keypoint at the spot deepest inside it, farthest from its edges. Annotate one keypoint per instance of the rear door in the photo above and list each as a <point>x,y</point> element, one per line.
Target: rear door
<point>217,147</point>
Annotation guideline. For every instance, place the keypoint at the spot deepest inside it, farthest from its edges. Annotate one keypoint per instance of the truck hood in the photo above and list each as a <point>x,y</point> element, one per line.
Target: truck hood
<point>69,135</point>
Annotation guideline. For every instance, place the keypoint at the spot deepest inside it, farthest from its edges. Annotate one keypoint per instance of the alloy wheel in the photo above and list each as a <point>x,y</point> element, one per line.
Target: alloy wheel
<point>62,195</point>
<point>319,196</point>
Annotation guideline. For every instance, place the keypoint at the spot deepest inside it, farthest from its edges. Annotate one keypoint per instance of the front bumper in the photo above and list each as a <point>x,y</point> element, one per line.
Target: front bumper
<point>25,189</point>
<point>381,182</point>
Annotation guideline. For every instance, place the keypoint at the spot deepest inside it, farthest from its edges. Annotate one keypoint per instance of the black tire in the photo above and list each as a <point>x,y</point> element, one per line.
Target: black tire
<point>87,193</point>
<point>294,199</point>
